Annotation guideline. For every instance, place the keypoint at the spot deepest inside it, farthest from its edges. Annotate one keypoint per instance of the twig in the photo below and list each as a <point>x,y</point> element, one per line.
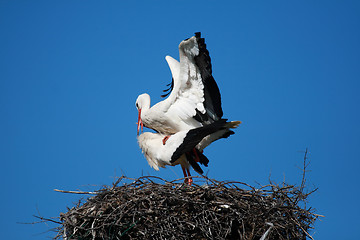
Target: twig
<point>76,192</point>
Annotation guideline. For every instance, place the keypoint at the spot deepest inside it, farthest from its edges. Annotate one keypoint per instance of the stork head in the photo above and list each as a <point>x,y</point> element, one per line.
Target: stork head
<point>142,103</point>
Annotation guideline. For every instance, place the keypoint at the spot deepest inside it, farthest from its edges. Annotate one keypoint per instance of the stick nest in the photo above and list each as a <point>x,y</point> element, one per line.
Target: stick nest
<point>153,208</point>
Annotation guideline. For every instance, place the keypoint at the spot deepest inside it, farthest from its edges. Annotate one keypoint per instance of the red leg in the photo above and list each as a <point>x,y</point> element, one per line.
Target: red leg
<point>187,176</point>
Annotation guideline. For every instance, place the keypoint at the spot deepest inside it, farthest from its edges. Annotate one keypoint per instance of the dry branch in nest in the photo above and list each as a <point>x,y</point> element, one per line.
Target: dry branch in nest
<point>152,208</point>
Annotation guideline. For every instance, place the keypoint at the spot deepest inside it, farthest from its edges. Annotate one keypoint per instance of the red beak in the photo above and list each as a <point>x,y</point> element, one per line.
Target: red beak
<point>139,123</point>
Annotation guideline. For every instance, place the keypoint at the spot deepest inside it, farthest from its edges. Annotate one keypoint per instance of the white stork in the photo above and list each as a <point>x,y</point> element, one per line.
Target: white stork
<point>183,147</point>
<point>194,99</point>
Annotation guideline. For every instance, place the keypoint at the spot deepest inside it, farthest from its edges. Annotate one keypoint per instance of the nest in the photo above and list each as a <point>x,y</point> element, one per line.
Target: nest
<point>153,208</point>
<point>150,207</point>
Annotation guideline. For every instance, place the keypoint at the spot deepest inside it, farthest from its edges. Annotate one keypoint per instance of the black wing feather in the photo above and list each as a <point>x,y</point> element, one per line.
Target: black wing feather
<point>191,156</point>
<point>194,136</point>
<point>169,90</point>
<point>191,159</point>
<point>212,95</point>
<point>203,159</point>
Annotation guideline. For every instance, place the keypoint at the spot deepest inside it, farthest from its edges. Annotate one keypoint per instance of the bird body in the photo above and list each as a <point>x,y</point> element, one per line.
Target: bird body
<point>194,99</point>
<point>190,118</point>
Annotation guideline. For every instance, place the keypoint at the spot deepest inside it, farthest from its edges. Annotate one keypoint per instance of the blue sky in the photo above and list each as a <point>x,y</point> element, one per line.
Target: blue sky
<point>70,72</point>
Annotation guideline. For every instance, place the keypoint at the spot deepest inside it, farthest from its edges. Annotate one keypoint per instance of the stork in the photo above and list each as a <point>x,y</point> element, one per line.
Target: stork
<point>194,98</point>
<point>183,147</point>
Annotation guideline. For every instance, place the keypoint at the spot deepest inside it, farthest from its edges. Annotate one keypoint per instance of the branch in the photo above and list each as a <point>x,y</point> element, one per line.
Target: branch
<point>76,192</point>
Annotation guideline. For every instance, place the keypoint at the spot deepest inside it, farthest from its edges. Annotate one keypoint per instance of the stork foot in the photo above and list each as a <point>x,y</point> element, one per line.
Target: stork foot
<point>188,181</point>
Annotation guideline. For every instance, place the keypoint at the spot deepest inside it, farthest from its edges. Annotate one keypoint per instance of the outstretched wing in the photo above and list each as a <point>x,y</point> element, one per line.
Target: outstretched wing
<point>194,95</point>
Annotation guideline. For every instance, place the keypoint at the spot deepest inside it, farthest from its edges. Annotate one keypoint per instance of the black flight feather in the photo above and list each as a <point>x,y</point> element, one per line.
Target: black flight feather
<point>191,159</point>
<point>203,159</point>
<point>212,95</point>
<point>201,117</point>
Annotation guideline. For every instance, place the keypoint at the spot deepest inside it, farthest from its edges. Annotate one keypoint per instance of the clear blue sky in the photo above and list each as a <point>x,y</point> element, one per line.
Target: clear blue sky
<point>70,72</point>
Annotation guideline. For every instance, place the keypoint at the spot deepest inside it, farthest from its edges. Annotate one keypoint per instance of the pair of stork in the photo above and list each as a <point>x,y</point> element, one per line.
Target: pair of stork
<point>190,118</point>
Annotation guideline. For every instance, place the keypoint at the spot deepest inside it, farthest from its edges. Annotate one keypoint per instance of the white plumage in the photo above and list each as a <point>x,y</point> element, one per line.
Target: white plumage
<point>159,155</point>
<point>188,97</point>
<point>190,118</point>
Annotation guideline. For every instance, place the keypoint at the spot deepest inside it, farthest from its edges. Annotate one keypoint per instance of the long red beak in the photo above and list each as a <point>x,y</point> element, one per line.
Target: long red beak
<point>139,123</point>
